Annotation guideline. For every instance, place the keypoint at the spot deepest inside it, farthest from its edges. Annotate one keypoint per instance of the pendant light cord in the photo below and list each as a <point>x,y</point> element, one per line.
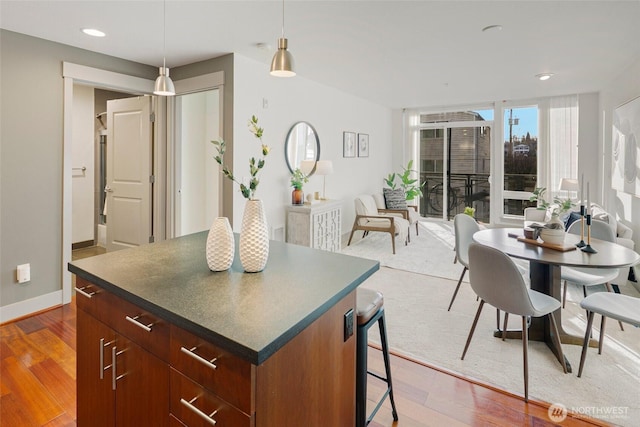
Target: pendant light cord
<point>164,35</point>
<point>282,18</point>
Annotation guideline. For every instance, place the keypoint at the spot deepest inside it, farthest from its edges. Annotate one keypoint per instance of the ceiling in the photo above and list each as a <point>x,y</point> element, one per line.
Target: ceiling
<point>397,54</point>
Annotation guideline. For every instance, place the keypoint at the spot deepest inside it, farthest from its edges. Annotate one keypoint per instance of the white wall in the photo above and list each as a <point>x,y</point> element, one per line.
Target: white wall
<point>83,156</point>
<point>331,112</point>
<point>199,178</point>
<point>621,89</point>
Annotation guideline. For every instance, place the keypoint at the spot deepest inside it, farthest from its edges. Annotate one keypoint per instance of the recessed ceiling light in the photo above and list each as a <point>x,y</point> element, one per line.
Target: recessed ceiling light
<point>544,76</point>
<point>93,32</point>
<point>492,28</point>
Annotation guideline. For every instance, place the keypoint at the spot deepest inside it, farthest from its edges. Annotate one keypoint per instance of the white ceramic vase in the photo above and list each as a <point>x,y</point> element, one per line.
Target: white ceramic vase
<point>254,237</point>
<point>221,245</point>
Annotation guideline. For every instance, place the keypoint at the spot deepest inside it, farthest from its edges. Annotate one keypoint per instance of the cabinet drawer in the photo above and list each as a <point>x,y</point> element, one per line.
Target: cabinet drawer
<point>141,327</point>
<point>217,370</point>
<point>194,406</point>
<point>91,299</point>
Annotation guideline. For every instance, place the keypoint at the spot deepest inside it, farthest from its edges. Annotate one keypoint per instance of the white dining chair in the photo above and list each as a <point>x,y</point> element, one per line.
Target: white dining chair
<point>464,227</point>
<point>624,308</point>
<point>586,277</point>
<point>495,278</point>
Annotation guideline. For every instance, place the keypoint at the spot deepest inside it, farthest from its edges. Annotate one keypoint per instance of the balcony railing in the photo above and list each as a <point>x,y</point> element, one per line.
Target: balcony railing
<point>469,189</point>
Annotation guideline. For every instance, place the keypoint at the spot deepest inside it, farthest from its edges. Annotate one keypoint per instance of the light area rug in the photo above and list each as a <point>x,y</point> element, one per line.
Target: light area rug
<point>419,326</point>
<point>430,252</point>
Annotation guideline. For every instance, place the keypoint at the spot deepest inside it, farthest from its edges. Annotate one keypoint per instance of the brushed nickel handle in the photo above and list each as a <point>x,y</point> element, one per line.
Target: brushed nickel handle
<point>101,358</point>
<point>208,418</point>
<point>135,321</point>
<point>114,374</point>
<point>81,291</point>
<point>103,368</point>
<point>191,352</point>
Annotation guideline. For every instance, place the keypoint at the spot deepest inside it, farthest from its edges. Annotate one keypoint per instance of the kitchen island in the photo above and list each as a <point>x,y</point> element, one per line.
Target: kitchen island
<point>181,345</point>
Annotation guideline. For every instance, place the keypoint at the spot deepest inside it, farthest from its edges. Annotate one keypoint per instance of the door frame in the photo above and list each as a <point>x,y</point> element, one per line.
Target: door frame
<point>196,84</point>
<point>164,108</point>
<point>80,74</point>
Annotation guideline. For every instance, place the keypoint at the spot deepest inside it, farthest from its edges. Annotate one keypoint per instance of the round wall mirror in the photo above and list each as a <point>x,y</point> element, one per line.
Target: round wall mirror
<point>302,145</point>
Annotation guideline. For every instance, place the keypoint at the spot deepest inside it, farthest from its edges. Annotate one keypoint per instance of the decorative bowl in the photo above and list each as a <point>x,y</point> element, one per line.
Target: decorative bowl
<point>529,233</point>
<point>552,236</point>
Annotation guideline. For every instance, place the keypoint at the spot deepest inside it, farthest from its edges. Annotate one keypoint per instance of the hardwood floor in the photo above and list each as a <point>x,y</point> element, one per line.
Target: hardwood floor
<point>37,384</point>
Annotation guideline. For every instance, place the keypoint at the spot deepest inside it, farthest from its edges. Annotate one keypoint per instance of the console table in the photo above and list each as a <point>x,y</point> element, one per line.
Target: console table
<point>317,225</point>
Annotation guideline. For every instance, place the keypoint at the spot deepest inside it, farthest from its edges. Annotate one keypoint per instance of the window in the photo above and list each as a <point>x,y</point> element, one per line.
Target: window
<point>520,160</point>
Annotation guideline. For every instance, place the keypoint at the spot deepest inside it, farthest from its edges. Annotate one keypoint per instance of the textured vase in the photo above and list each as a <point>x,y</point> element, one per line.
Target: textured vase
<point>221,245</point>
<point>254,237</point>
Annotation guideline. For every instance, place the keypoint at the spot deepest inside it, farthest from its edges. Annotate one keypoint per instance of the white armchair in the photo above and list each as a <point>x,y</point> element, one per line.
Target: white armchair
<point>369,219</point>
<point>411,213</point>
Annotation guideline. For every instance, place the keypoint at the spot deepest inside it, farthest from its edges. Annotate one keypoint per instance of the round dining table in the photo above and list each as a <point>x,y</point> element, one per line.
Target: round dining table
<point>544,272</point>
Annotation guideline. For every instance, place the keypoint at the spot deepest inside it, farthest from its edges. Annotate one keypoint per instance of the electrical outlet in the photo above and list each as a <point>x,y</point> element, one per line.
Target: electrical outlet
<point>348,324</point>
<point>23,273</point>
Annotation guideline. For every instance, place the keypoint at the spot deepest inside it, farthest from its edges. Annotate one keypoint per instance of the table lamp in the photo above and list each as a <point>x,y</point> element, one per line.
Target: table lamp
<point>324,168</point>
<point>307,167</point>
<point>568,185</point>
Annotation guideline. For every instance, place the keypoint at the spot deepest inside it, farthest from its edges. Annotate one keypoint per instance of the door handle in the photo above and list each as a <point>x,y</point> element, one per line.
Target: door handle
<point>108,189</point>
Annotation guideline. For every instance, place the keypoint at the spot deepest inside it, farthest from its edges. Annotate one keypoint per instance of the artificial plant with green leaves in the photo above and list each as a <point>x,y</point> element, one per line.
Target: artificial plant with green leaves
<point>298,179</point>
<point>556,207</point>
<point>248,191</point>
<point>411,186</point>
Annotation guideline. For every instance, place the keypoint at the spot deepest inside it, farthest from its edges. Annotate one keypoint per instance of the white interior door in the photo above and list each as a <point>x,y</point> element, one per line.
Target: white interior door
<point>129,172</point>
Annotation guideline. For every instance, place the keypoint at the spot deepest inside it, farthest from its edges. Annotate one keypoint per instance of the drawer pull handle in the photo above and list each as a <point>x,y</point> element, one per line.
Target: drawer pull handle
<point>134,320</point>
<point>102,347</point>
<point>114,374</point>
<point>82,291</point>
<point>191,352</point>
<point>207,418</point>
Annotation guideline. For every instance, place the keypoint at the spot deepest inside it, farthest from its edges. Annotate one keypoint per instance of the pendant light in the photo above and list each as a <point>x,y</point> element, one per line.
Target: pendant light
<point>164,86</point>
<point>282,63</point>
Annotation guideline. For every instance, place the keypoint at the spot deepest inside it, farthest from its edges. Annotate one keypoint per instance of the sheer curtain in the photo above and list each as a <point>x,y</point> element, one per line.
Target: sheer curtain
<point>562,154</point>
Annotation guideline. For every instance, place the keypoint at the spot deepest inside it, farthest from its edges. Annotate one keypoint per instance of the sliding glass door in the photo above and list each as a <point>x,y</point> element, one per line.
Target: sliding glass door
<point>455,162</point>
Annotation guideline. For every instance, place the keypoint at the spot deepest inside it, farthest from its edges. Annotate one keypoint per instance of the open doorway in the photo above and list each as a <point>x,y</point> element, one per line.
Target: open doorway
<point>89,153</point>
<point>197,176</point>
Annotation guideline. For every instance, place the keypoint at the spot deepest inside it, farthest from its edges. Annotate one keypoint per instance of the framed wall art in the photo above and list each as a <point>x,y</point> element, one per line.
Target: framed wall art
<point>363,145</point>
<point>349,144</point>
<point>625,146</point>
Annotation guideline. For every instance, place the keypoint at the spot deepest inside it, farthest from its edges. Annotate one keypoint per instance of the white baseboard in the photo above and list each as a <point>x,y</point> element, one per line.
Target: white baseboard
<point>33,305</point>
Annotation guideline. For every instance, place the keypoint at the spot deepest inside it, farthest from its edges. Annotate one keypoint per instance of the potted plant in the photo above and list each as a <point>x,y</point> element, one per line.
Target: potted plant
<point>298,179</point>
<point>411,186</point>
<point>556,208</point>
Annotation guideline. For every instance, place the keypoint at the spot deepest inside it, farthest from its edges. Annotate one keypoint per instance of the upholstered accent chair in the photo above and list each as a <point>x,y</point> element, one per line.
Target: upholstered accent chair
<point>389,207</point>
<point>368,218</point>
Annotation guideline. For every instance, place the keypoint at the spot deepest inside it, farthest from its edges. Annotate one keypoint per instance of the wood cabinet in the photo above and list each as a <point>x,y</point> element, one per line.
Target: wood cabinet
<point>317,225</point>
<point>137,369</point>
<point>120,382</point>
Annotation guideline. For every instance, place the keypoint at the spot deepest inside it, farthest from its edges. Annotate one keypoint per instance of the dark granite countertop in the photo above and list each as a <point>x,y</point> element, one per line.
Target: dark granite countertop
<point>251,315</point>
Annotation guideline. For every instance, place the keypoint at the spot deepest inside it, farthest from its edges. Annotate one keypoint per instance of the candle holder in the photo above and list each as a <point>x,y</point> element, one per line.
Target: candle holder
<point>581,243</point>
<point>588,249</point>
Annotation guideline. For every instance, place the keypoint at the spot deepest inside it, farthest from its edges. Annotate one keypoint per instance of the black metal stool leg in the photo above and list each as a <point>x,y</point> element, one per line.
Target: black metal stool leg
<point>362,419</point>
<point>361,375</point>
<point>387,365</point>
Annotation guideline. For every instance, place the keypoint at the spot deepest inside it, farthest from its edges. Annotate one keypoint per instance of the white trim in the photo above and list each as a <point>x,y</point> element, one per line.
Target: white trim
<point>199,83</point>
<point>67,187</point>
<point>107,79</point>
<point>24,308</point>
<point>74,73</point>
